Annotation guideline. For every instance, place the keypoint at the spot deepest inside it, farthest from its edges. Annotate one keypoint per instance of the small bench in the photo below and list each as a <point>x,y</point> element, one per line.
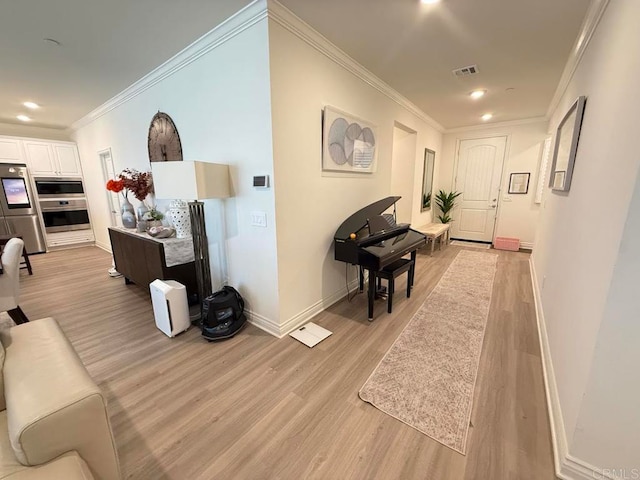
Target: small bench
<point>433,231</point>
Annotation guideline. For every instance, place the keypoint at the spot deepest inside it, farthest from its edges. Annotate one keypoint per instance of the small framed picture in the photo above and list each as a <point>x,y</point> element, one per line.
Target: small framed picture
<point>519,183</point>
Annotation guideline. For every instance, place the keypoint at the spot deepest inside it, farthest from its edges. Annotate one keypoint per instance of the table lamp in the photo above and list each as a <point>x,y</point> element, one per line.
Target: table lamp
<point>194,181</point>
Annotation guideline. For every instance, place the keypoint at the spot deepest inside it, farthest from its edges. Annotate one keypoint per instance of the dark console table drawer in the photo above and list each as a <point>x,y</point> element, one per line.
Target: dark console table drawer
<point>142,259</point>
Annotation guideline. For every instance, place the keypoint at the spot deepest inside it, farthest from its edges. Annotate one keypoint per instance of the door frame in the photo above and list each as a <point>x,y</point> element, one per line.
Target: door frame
<point>106,177</point>
<point>507,151</point>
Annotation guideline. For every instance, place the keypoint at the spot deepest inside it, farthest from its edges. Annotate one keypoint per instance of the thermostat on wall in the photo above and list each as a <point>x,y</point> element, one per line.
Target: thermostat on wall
<point>261,181</point>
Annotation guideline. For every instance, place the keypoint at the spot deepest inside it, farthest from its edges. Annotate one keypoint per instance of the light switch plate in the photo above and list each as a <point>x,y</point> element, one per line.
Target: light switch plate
<point>259,219</point>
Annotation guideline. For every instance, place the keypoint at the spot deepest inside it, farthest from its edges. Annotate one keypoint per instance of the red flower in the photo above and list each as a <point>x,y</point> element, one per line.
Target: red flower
<point>115,186</point>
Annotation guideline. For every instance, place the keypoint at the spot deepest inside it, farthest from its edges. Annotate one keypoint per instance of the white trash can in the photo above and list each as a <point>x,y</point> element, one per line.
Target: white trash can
<point>170,306</point>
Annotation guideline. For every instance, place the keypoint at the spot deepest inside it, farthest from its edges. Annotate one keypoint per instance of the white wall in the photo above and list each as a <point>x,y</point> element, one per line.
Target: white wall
<point>590,316</point>
<point>221,106</point>
<point>403,160</point>
<point>517,214</point>
<point>609,419</point>
<point>33,132</point>
<point>310,206</point>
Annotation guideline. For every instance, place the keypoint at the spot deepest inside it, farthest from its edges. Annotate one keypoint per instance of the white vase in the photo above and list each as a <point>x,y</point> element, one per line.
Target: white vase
<point>179,213</point>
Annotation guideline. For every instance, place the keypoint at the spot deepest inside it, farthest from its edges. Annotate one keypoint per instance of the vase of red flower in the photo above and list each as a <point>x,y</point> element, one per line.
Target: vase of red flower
<point>126,209</point>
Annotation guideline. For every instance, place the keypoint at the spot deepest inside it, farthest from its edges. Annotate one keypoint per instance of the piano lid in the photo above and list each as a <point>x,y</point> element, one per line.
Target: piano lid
<point>359,219</point>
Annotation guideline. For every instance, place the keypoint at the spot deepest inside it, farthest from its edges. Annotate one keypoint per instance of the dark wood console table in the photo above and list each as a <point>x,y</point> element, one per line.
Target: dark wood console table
<point>141,259</point>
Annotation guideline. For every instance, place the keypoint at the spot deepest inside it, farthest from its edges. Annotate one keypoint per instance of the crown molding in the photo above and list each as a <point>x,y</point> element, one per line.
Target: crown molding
<point>287,19</point>
<point>487,126</point>
<point>234,25</point>
<point>591,20</point>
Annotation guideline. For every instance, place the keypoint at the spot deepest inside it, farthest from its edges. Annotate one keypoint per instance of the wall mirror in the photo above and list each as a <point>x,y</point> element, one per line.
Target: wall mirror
<point>566,146</point>
<point>427,179</point>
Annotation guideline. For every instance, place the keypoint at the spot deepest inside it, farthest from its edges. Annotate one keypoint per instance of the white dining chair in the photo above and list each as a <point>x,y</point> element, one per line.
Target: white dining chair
<point>10,280</point>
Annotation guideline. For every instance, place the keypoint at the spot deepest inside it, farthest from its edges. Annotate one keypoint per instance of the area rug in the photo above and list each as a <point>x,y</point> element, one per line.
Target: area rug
<point>462,243</point>
<point>427,377</point>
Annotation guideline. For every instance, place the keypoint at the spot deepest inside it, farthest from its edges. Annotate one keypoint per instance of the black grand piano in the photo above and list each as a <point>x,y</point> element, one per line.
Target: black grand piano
<point>374,250</point>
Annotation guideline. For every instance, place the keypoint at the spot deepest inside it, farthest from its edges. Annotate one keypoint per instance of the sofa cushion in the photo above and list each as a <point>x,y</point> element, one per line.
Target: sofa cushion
<point>53,405</point>
<point>66,467</point>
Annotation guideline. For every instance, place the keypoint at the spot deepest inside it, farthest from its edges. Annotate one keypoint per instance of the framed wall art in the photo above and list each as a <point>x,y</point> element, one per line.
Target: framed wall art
<point>566,146</point>
<point>348,143</point>
<point>519,183</point>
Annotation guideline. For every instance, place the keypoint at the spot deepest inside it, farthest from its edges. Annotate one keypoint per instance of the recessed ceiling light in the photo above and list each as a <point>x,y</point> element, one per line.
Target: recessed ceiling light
<point>23,118</point>
<point>31,105</point>
<point>487,116</point>
<point>429,1</point>
<point>477,94</point>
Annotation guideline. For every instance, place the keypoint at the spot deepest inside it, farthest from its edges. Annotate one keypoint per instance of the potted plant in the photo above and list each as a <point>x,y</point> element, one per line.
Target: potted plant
<point>446,202</point>
<point>153,218</point>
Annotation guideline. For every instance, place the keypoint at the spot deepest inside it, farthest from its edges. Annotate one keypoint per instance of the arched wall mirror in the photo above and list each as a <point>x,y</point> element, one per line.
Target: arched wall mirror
<point>427,179</point>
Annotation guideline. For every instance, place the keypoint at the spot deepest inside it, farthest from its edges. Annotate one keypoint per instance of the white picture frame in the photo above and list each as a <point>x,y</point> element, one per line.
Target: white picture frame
<point>349,143</point>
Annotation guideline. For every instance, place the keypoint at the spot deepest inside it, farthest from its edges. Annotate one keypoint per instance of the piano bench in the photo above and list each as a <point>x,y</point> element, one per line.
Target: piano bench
<point>393,270</point>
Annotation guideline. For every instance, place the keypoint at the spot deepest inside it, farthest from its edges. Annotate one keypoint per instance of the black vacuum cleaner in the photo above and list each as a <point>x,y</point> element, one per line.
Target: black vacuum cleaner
<point>222,314</point>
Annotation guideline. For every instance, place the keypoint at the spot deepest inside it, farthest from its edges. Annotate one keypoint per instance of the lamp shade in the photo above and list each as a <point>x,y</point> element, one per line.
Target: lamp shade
<point>190,180</point>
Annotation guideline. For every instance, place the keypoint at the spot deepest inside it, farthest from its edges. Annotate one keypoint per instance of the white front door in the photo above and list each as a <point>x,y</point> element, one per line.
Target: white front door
<point>478,176</point>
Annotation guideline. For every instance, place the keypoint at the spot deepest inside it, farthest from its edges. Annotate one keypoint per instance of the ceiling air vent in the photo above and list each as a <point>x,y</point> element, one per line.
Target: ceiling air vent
<point>466,71</point>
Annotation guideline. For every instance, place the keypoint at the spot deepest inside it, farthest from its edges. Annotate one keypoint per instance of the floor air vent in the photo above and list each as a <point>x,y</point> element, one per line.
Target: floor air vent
<point>466,71</point>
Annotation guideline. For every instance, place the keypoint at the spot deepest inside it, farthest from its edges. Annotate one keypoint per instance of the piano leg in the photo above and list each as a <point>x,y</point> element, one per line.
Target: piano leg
<point>372,292</point>
<point>412,273</point>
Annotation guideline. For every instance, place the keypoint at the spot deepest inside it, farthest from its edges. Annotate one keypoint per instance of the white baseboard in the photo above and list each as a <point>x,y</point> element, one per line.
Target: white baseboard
<point>527,245</point>
<point>313,310</point>
<point>567,467</point>
<point>280,330</point>
<point>104,246</point>
<point>263,323</point>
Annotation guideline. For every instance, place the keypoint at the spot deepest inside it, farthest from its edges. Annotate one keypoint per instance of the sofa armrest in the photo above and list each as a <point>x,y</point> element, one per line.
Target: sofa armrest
<point>53,405</point>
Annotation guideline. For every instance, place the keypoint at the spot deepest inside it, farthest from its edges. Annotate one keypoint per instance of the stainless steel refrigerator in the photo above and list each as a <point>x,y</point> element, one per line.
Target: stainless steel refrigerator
<point>18,214</point>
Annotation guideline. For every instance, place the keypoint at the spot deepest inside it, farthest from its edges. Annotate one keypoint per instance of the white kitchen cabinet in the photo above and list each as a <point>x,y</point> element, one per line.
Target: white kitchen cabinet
<point>52,159</point>
<point>11,151</point>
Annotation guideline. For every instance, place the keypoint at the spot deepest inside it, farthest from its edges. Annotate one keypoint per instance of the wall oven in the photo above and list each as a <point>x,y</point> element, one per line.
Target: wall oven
<point>57,187</point>
<point>65,215</point>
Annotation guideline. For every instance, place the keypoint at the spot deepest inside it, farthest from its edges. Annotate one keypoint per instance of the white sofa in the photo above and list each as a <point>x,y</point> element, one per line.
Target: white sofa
<point>53,418</point>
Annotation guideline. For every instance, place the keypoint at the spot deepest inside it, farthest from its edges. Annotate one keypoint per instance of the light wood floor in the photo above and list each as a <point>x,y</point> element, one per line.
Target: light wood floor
<point>255,407</point>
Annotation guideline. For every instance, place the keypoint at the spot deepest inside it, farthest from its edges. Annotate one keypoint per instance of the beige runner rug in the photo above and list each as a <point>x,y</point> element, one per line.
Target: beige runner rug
<point>427,377</point>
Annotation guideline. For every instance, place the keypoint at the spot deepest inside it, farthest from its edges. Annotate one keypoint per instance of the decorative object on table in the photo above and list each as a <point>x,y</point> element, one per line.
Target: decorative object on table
<point>194,180</point>
<point>128,215</point>
<point>446,202</point>
<point>140,184</point>
<point>179,215</point>
<point>348,143</point>
<point>161,232</point>
<point>163,140</point>
<point>519,183</point>
<point>427,179</point>
<point>126,209</point>
<point>153,218</point>
<point>566,147</point>
<point>427,380</point>
<point>142,226</point>
<point>141,210</point>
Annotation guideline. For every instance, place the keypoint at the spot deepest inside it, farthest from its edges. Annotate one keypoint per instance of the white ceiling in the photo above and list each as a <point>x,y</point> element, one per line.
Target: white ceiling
<point>108,45</point>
